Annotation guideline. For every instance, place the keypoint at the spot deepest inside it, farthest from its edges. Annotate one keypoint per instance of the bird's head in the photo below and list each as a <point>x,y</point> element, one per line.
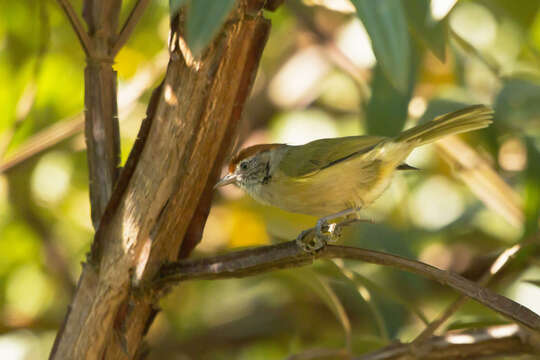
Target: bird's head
<point>251,166</point>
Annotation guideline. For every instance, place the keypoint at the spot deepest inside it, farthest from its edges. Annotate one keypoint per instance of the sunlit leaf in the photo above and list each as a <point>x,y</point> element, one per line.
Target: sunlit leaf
<point>385,23</point>
<point>204,19</point>
<point>430,32</point>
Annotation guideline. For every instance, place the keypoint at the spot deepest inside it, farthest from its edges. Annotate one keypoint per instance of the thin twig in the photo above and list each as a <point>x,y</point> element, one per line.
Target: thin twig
<point>288,254</point>
<point>77,27</point>
<point>43,140</point>
<point>64,129</point>
<point>129,25</point>
<point>489,342</point>
<point>497,265</point>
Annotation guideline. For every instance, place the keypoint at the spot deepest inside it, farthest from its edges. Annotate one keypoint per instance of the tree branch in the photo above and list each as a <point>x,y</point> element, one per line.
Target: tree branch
<point>488,342</point>
<point>285,255</point>
<point>101,129</point>
<point>77,27</point>
<point>497,265</point>
<point>129,25</point>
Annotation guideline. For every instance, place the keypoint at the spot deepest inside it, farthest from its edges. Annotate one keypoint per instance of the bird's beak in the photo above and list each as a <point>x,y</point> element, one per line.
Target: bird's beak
<point>226,180</point>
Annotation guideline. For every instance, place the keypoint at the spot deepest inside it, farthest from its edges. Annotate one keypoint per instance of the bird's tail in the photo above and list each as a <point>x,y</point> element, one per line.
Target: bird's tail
<point>467,119</point>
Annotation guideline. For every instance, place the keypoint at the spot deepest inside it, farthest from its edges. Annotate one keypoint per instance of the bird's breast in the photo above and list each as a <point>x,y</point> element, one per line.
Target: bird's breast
<point>326,192</point>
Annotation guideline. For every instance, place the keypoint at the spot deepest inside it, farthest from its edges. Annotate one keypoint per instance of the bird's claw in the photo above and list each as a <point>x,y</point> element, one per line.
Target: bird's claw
<point>316,238</point>
<point>310,241</point>
<point>335,232</point>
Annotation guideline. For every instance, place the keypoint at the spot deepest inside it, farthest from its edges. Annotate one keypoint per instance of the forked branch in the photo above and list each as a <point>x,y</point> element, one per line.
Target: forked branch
<point>132,20</point>
<point>77,26</point>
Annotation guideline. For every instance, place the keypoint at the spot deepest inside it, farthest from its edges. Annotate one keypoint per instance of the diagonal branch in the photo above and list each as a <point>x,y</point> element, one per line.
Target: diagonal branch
<point>497,265</point>
<point>77,27</point>
<point>493,341</point>
<point>129,25</point>
<point>286,255</point>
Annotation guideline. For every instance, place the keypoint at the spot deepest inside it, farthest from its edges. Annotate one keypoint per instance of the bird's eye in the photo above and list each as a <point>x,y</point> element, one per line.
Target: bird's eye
<point>243,165</point>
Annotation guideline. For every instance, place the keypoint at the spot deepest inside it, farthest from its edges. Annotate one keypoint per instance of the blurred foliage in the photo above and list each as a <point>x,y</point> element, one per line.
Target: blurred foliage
<point>387,28</point>
<point>427,58</point>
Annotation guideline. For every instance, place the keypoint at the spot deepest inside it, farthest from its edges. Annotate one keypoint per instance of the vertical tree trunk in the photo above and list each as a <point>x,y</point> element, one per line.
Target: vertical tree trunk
<point>101,110</point>
<point>165,186</point>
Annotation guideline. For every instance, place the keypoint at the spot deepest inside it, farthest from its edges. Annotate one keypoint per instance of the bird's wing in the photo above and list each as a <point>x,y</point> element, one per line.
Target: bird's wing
<point>309,159</point>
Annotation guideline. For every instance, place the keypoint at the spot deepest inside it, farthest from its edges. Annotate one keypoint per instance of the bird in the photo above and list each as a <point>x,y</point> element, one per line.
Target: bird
<point>337,177</point>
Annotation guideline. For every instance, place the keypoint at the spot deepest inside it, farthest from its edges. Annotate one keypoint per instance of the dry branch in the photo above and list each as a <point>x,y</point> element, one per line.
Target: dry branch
<point>286,255</point>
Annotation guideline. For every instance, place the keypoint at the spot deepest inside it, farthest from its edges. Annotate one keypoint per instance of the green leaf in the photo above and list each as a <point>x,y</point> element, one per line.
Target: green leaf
<point>204,19</point>
<point>433,34</point>
<point>386,25</point>
<point>387,109</point>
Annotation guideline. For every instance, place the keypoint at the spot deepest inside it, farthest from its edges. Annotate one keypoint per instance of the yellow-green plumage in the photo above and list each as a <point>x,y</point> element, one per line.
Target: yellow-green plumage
<point>329,175</point>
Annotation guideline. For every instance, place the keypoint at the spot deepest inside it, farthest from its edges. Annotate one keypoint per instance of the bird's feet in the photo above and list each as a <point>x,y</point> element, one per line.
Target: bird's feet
<point>314,239</point>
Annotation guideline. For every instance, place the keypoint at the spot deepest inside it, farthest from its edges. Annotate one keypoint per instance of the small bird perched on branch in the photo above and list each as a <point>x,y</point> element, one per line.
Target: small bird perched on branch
<point>334,178</point>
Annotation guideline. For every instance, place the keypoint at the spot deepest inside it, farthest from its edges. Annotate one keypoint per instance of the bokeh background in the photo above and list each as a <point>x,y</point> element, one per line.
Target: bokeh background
<point>318,78</point>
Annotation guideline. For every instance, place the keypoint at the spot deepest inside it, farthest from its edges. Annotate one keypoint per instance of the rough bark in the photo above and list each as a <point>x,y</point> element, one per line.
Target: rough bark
<point>189,128</point>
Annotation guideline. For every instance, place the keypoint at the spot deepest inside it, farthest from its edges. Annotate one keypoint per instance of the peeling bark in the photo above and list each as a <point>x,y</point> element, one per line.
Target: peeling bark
<point>189,130</point>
